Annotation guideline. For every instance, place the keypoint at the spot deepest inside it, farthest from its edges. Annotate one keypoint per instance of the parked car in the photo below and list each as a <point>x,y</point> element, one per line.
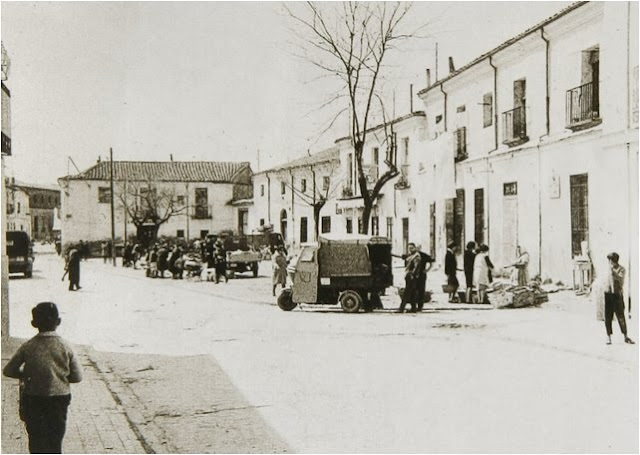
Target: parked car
<point>352,271</point>
<point>20,253</point>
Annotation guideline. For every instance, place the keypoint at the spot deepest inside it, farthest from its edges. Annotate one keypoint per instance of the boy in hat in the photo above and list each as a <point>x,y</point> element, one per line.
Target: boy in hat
<point>46,365</point>
<point>614,299</point>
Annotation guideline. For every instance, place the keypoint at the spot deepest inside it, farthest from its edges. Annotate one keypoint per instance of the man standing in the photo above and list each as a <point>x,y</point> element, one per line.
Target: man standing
<point>450,269</point>
<point>411,293</point>
<point>614,299</point>
<point>73,269</point>
<point>426,261</point>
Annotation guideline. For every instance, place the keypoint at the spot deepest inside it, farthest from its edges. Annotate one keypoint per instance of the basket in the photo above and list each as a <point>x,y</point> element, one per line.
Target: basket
<point>448,288</point>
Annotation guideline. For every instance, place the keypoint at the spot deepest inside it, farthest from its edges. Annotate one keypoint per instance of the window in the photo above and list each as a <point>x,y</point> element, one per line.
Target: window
<point>487,109</point>
<point>326,224</point>
<point>18,206</point>
<point>204,233</point>
<point>283,188</point>
<point>303,185</point>
<point>510,189</point>
<point>349,170</point>
<point>438,118</point>
<point>104,195</point>
<point>375,228</point>
<point>405,149</point>
<point>460,109</point>
<point>349,226</point>
<point>262,190</point>
<point>326,183</point>
<point>390,228</point>
<point>180,200</point>
<point>35,223</point>
<point>261,221</point>
<point>376,162</point>
<point>359,224</point>
<point>180,233</point>
<point>202,204</point>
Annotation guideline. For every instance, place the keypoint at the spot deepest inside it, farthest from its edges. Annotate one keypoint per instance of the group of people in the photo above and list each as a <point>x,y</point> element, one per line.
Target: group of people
<point>478,271</point>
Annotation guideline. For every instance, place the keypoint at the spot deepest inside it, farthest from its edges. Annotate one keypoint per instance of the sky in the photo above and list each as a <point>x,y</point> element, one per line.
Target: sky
<point>201,80</point>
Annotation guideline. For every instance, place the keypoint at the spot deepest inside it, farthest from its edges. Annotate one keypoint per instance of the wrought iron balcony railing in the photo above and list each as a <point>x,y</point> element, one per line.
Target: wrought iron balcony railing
<point>201,212</point>
<point>583,106</point>
<point>514,123</point>
<point>460,144</point>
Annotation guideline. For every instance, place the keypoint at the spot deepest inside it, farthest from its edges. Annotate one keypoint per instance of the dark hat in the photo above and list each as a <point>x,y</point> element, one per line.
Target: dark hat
<point>613,256</point>
<point>45,312</point>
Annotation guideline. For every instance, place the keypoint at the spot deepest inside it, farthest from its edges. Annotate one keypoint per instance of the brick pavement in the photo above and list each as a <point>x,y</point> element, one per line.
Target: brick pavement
<point>96,423</point>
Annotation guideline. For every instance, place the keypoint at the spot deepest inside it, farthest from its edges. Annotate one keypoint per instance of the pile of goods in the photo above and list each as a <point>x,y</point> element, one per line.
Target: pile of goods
<point>504,295</point>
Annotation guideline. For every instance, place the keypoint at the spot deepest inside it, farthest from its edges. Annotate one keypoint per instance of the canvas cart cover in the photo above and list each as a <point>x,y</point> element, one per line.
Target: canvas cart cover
<point>343,258</point>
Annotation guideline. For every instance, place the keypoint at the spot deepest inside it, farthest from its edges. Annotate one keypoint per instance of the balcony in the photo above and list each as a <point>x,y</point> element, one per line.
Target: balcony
<point>347,192</point>
<point>583,107</point>
<point>201,212</point>
<point>460,144</point>
<point>514,127</point>
<point>403,181</point>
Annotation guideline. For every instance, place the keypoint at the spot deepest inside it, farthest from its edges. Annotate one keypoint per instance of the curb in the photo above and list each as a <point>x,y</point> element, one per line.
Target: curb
<point>152,438</point>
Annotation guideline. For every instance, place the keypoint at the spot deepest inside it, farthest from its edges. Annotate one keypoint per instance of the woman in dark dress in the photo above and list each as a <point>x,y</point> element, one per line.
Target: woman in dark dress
<point>469,256</point>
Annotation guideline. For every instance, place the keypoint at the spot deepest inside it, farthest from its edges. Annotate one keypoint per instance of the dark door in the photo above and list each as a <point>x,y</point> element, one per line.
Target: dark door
<point>405,233</point>
<point>303,229</point>
<point>432,230</point>
<point>458,219</point>
<point>243,221</point>
<point>579,212</point>
<point>478,203</point>
<point>202,203</point>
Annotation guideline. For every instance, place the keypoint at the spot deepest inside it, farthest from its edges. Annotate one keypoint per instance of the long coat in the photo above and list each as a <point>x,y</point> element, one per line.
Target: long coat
<point>73,266</point>
<point>279,265</point>
<point>412,276</point>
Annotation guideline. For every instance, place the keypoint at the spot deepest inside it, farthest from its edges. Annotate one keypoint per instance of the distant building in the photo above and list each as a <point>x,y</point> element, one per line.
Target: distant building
<point>203,195</point>
<point>18,214</point>
<point>284,196</point>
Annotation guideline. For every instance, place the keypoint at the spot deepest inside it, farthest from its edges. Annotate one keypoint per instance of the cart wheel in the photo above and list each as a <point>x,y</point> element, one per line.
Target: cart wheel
<point>350,301</point>
<point>285,300</point>
<point>254,269</point>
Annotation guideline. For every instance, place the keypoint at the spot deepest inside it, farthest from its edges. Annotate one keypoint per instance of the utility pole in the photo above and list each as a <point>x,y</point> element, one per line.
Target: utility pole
<point>125,214</point>
<point>113,223</point>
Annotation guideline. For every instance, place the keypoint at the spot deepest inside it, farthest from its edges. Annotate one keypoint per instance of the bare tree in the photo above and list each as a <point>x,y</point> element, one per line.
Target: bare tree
<point>349,42</point>
<point>147,205</point>
<point>323,188</point>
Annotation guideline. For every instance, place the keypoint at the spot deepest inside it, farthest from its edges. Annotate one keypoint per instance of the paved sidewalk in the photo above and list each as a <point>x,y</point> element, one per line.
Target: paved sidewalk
<point>96,423</point>
<point>132,403</point>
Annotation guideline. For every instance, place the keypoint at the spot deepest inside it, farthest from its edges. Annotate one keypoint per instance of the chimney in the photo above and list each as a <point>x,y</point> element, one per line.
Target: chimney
<point>171,157</point>
<point>99,158</point>
<point>452,68</point>
<point>428,77</point>
<point>411,98</point>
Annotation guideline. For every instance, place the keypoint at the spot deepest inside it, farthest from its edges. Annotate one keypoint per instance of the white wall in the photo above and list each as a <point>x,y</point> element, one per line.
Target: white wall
<point>84,218</point>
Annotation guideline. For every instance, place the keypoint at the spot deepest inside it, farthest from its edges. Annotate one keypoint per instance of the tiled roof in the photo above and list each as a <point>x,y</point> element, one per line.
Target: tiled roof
<point>166,171</point>
<point>507,43</point>
<point>389,123</point>
<point>324,156</point>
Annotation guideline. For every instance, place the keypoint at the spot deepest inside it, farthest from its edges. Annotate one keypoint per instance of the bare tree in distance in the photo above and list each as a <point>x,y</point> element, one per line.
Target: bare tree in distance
<point>147,205</point>
<point>318,195</point>
<point>349,42</point>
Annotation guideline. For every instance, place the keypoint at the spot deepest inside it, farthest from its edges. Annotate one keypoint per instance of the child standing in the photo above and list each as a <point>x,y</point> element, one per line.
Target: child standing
<point>46,365</point>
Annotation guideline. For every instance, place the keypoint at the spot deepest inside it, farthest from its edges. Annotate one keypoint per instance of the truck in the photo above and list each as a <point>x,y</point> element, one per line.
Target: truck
<point>244,252</point>
<point>352,271</point>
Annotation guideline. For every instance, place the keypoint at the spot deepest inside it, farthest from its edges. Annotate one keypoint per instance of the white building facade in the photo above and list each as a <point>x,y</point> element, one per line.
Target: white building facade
<point>205,193</point>
<point>284,197</point>
<point>535,143</point>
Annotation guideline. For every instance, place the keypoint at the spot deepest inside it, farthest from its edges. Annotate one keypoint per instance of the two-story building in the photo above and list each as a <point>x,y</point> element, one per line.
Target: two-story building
<point>396,213</point>
<point>203,197</point>
<point>285,196</point>
<point>535,143</point>
<point>43,204</point>
<point>18,214</point>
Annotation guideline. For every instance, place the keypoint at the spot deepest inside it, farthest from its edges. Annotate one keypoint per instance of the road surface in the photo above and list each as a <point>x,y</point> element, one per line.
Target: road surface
<point>528,380</point>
